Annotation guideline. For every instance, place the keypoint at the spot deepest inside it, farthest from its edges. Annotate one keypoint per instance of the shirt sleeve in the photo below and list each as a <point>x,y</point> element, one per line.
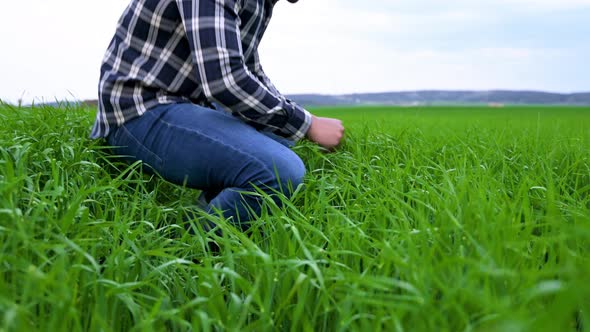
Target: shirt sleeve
<point>253,64</point>
<point>212,28</point>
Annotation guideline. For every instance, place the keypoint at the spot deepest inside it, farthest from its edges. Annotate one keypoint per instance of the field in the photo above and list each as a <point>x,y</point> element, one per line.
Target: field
<point>427,219</point>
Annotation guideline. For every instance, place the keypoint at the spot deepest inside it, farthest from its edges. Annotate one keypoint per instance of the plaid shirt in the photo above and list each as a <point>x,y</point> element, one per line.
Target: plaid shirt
<point>197,51</point>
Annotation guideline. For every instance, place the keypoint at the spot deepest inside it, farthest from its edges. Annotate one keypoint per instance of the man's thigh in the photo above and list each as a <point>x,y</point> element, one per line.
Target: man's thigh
<point>203,148</point>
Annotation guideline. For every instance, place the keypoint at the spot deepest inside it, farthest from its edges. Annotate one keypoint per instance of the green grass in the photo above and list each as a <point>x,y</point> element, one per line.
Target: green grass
<point>427,219</point>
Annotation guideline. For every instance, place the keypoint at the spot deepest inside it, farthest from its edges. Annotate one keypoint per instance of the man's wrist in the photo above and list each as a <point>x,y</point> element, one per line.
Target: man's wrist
<point>309,119</point>
<point>311,125</point>
<point>298,123</point>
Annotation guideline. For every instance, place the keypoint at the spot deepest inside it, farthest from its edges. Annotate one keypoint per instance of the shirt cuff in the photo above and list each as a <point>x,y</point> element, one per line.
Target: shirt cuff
<point>298,124</point>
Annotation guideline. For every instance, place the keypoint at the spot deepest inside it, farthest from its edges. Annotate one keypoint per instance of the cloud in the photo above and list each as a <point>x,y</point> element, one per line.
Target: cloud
<point>55,49</point>
<point>351,47</point>
<point>436,5</point>
<point>546,4</point>
<point>329,46</point>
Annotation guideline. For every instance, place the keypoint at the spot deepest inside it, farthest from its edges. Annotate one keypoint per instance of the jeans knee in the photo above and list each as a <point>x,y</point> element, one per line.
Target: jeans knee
<point>293,175</point>
<point>288,174</point>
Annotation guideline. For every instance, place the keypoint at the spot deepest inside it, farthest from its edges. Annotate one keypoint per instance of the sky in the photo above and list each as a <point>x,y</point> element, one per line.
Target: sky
<point>52,50</point>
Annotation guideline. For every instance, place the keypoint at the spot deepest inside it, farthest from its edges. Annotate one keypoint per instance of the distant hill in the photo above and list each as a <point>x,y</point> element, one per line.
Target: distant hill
<point>439,97</point>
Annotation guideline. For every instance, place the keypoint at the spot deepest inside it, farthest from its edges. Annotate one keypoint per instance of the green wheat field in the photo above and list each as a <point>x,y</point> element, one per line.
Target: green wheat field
<point>426,219</point>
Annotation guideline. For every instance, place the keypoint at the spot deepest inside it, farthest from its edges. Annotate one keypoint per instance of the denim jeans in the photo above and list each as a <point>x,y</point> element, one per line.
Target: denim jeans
<point>213,151</point>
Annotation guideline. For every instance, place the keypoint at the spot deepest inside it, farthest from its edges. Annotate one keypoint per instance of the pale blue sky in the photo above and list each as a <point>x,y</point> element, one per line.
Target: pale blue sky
<point>52,49</point>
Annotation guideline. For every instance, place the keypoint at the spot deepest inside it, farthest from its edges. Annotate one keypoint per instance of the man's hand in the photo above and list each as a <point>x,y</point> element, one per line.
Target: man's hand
<point>326,132</point>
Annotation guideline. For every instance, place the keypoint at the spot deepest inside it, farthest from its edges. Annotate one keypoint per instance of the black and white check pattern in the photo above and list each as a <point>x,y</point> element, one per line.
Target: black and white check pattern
<point>199,51</point>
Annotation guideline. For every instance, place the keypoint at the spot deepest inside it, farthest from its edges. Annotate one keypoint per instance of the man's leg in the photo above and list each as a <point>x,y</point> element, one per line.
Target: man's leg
<point>212,151</point>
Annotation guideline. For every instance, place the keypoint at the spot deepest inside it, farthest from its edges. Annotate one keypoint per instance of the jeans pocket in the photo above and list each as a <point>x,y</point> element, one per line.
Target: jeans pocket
<point>130,149</point>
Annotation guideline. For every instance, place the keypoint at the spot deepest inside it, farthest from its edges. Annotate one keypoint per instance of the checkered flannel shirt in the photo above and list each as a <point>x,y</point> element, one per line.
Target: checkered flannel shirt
<point>198,51</point>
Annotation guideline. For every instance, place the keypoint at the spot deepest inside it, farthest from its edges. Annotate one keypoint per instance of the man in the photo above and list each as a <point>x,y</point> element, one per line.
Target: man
<point>169,65</point>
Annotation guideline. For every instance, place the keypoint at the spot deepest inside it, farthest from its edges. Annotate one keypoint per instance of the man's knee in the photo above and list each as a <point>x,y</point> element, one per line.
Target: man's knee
<point>279,172</point>
<point>290,175</point>
<point>283,174</point>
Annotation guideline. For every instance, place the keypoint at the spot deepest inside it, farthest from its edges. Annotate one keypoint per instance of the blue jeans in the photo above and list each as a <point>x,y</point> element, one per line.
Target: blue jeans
<point>215,152</point>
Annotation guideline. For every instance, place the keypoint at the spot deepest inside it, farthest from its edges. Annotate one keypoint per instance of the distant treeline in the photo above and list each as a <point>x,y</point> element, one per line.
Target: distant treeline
<point>440,97</point>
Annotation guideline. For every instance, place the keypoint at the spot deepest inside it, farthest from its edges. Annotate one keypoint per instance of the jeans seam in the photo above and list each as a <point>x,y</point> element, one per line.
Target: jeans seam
<point>141,145</point>
<point>233,148</point>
